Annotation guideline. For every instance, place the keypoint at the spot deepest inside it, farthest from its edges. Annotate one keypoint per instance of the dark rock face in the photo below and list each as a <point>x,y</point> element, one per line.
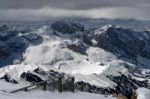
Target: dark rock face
<point>4,36</point>
<point>78,47</point>
<point>13,46</point>
<point>50,74</point>
<point>16,43</point>
<point>40,71</point>
<point>115,38</point>
<point>34,77</point>
<point>3,28</point>
<point>86,87</point>
<point>125,40</point>
<point>5,33</point>
<point>146,53</point>
<point>65,26</point>
<point>101,39</point>
<point>31,77</point>
<point>14,81</point>
<point>4,50</point>
<point>125,86</point>
<point>33,39</point>
<point>8,79</point>
<point>12,43</point>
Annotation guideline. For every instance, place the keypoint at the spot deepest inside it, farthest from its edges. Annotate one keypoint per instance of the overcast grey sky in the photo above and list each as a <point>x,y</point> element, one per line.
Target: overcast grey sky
<point>45,9</point>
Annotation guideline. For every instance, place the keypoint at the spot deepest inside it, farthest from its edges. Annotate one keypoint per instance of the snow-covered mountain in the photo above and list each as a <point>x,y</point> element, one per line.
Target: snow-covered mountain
<point>103,59</point>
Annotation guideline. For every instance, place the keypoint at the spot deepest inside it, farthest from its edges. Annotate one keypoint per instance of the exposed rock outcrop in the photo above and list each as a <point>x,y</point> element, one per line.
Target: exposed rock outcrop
<point>78,47</point>
<point>125,86</point>
<point>115,39</point>
<point>67,26</point>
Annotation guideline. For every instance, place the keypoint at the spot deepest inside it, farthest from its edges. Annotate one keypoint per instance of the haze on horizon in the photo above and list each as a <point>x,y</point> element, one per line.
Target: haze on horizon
<point>36,10</point>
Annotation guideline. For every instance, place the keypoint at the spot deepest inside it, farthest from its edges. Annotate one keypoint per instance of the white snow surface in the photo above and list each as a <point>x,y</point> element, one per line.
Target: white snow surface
<point>39,94</point>
<point>54,54</point>
<point>143,93</point>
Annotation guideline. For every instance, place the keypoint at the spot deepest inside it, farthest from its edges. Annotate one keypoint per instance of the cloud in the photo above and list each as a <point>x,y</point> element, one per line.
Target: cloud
<point>68,4</point>
<point>47,13</point>
<point>35,10</point>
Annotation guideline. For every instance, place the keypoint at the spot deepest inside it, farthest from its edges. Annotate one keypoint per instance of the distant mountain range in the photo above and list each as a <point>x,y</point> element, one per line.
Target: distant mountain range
<point>104,59</point>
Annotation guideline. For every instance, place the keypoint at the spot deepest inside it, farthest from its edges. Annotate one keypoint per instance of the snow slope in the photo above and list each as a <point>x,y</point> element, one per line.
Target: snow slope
<point>143,93</point>
<point>38,94</point>
<point>53,53</point>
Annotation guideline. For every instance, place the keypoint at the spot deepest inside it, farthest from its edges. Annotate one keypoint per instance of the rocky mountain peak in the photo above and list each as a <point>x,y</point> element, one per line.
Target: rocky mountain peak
<point>67,26</point>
